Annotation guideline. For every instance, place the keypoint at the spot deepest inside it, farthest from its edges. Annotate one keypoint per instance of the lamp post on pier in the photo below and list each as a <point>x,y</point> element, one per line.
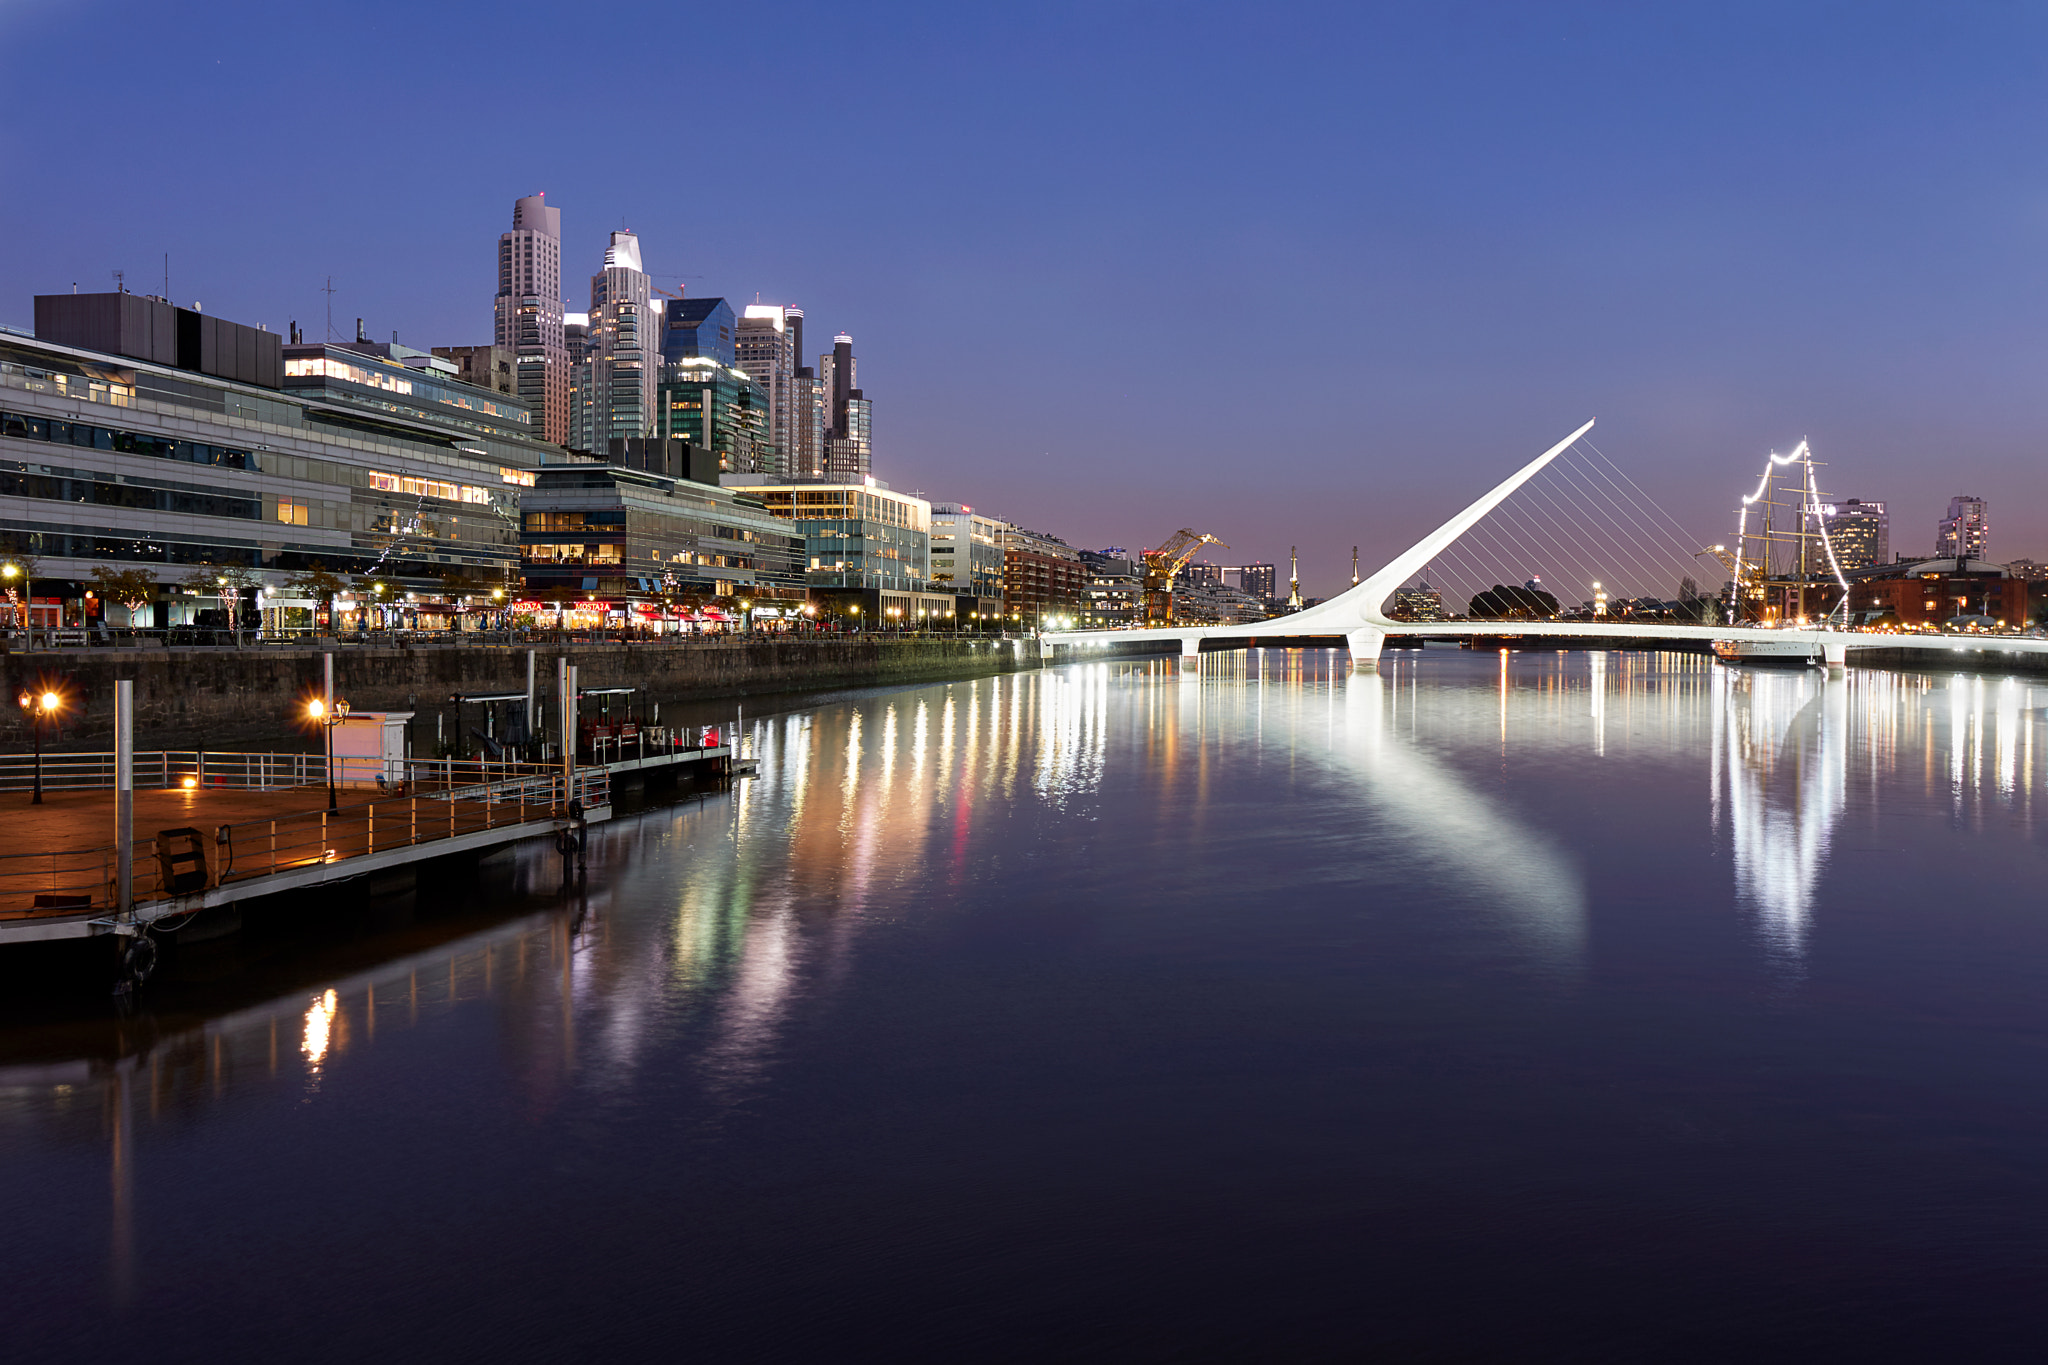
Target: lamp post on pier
<point>40,706</point>
<point>326,718</point>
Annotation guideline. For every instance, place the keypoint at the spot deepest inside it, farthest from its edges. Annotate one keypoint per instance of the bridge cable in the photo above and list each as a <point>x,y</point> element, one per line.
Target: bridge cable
<point>1567,556</point>
<point>1687,563</point>
<point>1571,516</point>
<point>1610,511</point>
<point>1685,537</point>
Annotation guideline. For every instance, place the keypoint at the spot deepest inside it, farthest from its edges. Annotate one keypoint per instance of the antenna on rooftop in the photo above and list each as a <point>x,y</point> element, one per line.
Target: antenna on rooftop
<point>329,292</point>
<point>120,276</point>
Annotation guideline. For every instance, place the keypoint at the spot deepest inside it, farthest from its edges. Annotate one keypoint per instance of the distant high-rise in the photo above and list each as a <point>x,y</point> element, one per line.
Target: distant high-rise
<point>616,383</point>
<point>769,343</point>
<point>806,456</point>
<point>1860,533</point>
<point>528,312</point>
<point>1963,532</point>
<point>849,448</point>
<point>1260,580</point>
<point>699,329</point>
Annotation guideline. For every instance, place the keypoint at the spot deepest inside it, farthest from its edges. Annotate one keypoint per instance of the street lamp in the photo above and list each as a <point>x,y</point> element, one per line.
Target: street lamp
<point>318,712</point>
<point>12,570</point>
<point>39,706</point>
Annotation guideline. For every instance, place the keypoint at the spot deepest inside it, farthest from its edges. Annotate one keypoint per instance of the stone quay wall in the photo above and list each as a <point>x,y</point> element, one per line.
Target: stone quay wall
<point>253,698</point>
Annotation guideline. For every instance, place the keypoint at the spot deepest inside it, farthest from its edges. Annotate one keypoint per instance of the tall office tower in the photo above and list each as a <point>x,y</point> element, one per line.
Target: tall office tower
<point>614,386</point>
<point>806,457</point>
<point>1963,532</point>
<point>699,329</point>
<point>528,312</point>
<point>1860,533</point>
<point>849,449</point>
<point>769,342</point>
<point>1260,580</point>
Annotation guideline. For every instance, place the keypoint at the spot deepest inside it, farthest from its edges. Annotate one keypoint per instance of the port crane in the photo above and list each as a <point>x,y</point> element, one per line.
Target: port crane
<point>1163,565</point>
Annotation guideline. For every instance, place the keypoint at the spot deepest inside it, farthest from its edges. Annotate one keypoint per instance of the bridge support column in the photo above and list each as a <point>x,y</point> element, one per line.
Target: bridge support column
<point>1836,653</point>
<point>1365,648</point>
<point>1190,651</point>
<point>1044,647</point>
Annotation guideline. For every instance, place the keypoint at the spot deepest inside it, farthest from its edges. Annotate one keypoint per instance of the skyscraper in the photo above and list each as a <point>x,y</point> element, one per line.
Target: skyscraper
<point>806,457</point>
<point>1860,533</point>
<point>528,312</point>
<point>1963,532</point>
<point>849,450</point>
<point>699,329</point>
<point>769,342</point>
<point>622,368</point>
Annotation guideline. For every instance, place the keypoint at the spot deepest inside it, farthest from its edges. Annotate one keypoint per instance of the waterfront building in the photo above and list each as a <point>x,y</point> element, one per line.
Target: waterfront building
<point>1424,603</point>
<point>627,539</point>
<point>1932,591</point>
<point>849,448</point>
<point>1209,601</point>
<point>717,407</point>
<point>378,379</point>
<point>527,313</point>
<point>1860,533</point>
<point>123,446</point>
<point>1964,531</point>
<point>967,560</point>
<point>868,550</point>
<point>485,367</point>
<point>616,383</point>
<point>1043,577</point>
<point>699,329</point>
<point>1113,592</point>
<point>768,343</point>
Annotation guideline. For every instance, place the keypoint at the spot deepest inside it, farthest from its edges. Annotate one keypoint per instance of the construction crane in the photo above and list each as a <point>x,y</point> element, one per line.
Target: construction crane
<point>1163,565</point>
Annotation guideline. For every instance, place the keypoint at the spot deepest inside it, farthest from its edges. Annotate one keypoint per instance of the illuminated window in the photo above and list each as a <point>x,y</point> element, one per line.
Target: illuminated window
<point>291,513</point>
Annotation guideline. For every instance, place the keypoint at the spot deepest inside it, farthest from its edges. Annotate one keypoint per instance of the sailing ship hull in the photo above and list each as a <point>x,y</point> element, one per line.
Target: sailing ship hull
<point>1769,653</point>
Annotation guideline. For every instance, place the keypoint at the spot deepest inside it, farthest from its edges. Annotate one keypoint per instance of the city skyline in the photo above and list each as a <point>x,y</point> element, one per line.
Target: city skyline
<point>1678,233</point>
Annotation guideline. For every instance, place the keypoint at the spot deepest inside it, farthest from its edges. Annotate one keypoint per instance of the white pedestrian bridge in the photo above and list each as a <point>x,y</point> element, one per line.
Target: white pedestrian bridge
<point>1357,615</point>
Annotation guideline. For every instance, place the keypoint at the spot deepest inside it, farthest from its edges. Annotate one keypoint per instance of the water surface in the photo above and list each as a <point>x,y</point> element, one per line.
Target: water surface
<point>1544,1005</point>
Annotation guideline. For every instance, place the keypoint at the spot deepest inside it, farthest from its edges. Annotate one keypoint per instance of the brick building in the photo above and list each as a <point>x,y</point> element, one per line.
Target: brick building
<point>1932,591</point>
<point>1043,576</point>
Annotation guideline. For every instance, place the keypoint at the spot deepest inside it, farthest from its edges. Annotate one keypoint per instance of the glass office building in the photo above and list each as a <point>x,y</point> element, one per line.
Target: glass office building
<point>359,463</point>
<point>627,537</point>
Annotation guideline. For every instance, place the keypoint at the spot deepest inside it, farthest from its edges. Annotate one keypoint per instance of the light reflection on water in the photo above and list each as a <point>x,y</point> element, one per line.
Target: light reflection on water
<point>858,800</point>
<point>707,933</point>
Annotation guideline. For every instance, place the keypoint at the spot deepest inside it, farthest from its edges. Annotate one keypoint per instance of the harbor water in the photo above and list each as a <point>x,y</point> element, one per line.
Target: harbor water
<point>1530,1005</point>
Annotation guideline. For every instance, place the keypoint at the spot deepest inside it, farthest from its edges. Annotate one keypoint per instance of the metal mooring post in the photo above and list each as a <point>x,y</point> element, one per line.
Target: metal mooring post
<point>565,688</point>
<point>124,800</point>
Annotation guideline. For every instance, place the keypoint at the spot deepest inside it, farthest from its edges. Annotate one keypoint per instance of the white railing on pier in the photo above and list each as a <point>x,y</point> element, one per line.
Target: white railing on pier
<point>166,768</point>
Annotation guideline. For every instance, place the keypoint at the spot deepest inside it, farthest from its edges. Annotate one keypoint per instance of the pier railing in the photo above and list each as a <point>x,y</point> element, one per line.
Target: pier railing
<point>156,768</point>
<point>68,882</point>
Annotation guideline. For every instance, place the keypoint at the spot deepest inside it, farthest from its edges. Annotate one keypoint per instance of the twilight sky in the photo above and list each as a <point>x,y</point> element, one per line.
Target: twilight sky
<point>1294,274</point>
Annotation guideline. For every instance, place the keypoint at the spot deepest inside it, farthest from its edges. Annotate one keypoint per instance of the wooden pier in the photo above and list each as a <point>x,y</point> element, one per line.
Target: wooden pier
<point>203,847</point>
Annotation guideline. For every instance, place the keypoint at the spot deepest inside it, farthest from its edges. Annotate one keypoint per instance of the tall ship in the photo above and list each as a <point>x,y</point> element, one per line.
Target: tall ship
<point>1783,570</point>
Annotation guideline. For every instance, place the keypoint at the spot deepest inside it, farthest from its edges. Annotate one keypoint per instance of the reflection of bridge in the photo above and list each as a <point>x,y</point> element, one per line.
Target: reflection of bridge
<point>1357,617</point>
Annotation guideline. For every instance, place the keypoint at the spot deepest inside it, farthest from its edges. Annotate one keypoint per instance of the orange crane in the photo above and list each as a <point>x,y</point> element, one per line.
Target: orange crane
<point>1163,565</point>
